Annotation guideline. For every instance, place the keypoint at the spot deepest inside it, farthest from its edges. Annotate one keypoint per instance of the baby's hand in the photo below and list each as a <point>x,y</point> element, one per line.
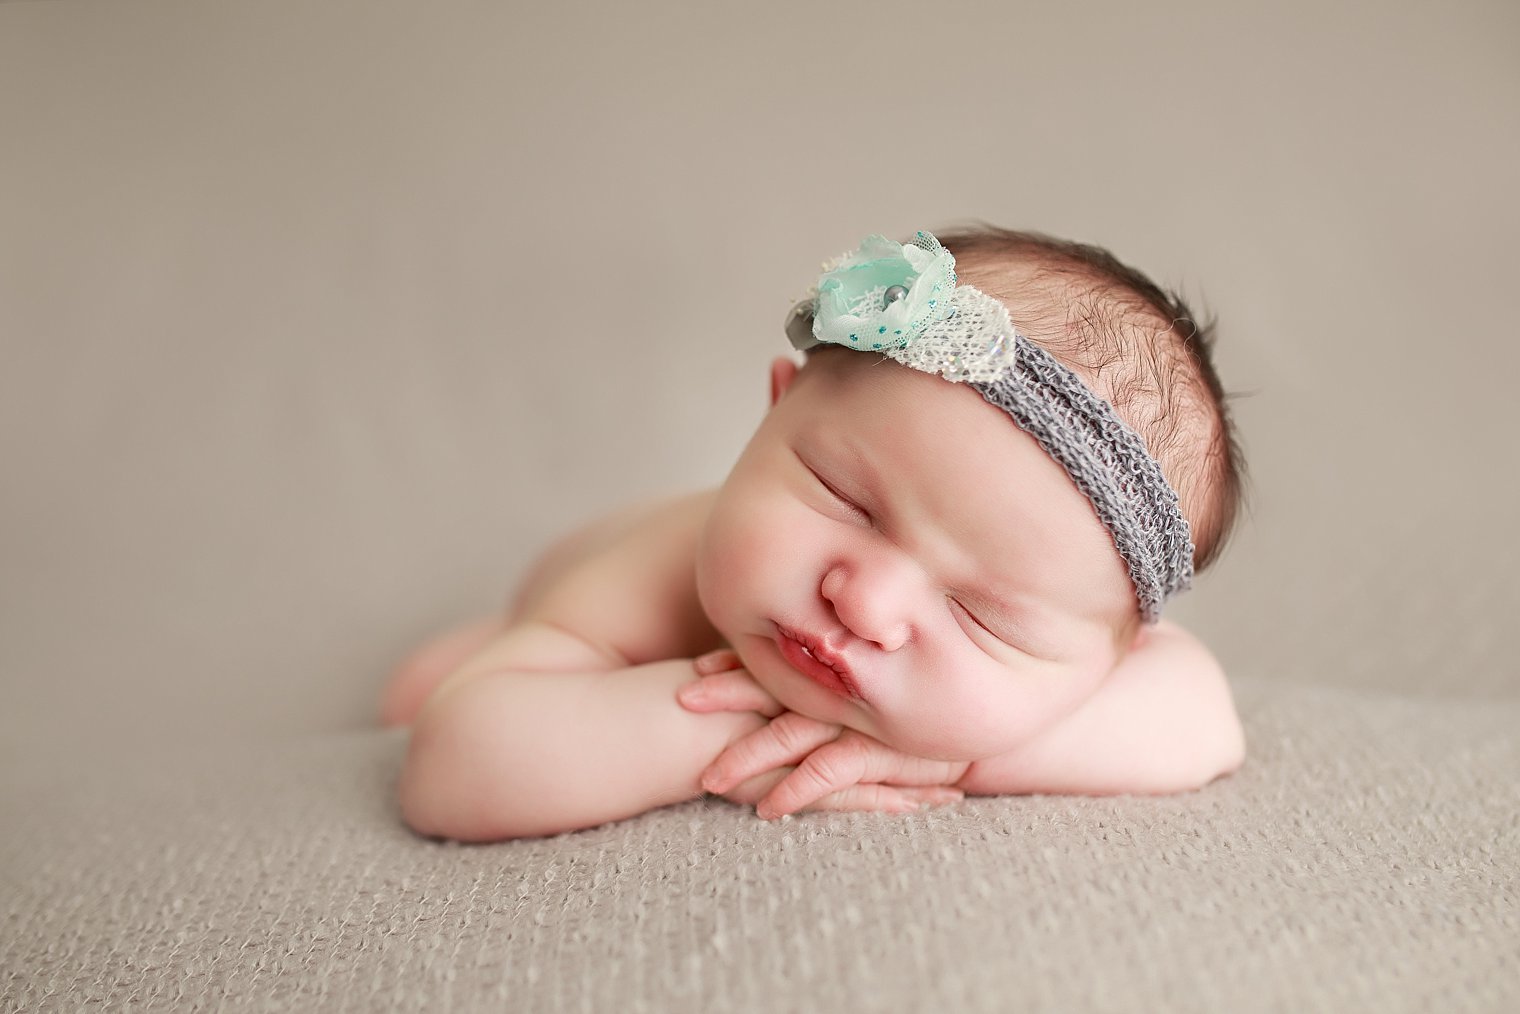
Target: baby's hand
<point>725,686</point>
<point>796,763</point>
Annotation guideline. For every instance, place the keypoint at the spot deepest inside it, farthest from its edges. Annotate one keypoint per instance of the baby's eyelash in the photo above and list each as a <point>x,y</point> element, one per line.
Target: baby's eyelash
<point>1015,641</point>
<point>961,606</point>
<point>844,500</point>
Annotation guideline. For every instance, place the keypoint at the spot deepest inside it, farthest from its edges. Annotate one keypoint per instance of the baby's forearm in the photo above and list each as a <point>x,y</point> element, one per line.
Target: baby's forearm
<point>519,754</point>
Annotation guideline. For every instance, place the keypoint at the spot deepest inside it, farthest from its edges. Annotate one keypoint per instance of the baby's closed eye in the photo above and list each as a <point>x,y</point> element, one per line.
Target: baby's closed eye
<point>959,608</point>
<point>850,506</point>
<point>992,634</point>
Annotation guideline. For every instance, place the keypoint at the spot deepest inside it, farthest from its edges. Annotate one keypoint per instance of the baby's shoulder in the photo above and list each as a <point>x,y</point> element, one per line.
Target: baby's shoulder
<point>627,581</point>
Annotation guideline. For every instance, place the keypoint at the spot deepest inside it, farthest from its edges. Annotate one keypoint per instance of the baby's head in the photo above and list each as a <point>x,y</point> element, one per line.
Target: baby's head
<point>894,552</point>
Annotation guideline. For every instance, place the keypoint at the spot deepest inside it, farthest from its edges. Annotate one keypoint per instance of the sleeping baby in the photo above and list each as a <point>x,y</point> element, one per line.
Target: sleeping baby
<point>937,568</point>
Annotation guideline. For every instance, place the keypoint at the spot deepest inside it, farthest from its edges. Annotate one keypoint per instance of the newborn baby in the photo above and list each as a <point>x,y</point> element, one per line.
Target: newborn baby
<point>937,568</point>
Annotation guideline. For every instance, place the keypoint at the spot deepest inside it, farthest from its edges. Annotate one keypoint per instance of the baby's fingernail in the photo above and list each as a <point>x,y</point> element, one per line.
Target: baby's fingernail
<point>712,781</point>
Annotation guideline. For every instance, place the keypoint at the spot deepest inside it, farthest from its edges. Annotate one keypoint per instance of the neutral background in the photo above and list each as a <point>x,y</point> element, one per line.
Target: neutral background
<point>317,318</point>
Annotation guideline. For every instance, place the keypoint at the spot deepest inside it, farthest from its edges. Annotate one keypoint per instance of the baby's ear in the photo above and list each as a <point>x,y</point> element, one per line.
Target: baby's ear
<point>783,372</point>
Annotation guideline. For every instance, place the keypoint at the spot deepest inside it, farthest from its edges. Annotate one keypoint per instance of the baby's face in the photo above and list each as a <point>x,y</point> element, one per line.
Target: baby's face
<point>894,554</point>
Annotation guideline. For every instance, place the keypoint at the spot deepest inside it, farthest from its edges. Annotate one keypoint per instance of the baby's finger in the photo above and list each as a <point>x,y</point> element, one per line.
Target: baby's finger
<point>752,790</point>
<point>785,740</point>
<point>930,796</point>
<point>721,660</point>
<point>853,759</point>
<point>878,798</point>
<point>833,767</point>
<point>727,691</point>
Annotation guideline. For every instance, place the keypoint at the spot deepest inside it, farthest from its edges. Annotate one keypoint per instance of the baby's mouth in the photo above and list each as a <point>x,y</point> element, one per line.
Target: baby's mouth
<point>813,660</point>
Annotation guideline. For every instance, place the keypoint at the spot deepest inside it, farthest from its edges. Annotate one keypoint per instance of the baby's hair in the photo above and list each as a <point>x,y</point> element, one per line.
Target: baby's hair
<point>1135,344</point>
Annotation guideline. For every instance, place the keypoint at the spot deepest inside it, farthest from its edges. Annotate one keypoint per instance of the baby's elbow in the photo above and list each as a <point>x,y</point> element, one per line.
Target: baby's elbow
<point>1222,754</point>
<point>1221,742</point>
<point>418,810</point>
<point>1227,747</point>
<point>1218,751</point>
<point>1173,779</point>
<point>494,761</point>
<point>428,789</point>
<point>446,790</point>
<point>1231,751</point>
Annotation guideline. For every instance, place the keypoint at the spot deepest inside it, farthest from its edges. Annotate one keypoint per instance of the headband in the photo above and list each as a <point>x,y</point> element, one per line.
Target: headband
<point>901,301</point>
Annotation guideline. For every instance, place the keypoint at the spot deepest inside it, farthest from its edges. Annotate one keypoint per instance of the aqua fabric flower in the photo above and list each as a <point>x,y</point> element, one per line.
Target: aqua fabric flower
<point>884,294</point>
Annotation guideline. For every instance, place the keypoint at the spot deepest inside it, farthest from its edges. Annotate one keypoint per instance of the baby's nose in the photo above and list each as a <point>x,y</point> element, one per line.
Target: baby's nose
<point>874,605</point>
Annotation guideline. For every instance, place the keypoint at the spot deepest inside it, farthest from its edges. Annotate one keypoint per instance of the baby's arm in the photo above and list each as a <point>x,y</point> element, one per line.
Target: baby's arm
<point>542,732</point>
<point>1163,721</point>
<point>568,719</point>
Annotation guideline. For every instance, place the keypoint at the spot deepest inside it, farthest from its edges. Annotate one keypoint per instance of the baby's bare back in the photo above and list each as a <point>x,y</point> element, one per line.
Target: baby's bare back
<point>623,584</point>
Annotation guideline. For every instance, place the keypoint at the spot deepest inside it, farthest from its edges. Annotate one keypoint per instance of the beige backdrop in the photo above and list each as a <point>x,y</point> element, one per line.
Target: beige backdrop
<point>317,318</point>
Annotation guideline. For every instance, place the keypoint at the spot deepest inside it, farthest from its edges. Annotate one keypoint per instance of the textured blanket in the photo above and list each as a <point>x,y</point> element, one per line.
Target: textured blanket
<point>1365,858</point>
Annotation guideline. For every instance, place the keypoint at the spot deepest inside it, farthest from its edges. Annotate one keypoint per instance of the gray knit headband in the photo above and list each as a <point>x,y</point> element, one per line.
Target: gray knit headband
<point>901,301</point>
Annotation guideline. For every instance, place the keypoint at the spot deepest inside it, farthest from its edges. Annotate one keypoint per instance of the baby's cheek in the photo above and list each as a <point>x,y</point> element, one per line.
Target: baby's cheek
<point>731,567</point>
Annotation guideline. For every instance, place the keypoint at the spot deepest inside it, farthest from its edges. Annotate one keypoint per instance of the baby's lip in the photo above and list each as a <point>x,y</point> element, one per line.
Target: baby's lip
<point>831,669</point>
